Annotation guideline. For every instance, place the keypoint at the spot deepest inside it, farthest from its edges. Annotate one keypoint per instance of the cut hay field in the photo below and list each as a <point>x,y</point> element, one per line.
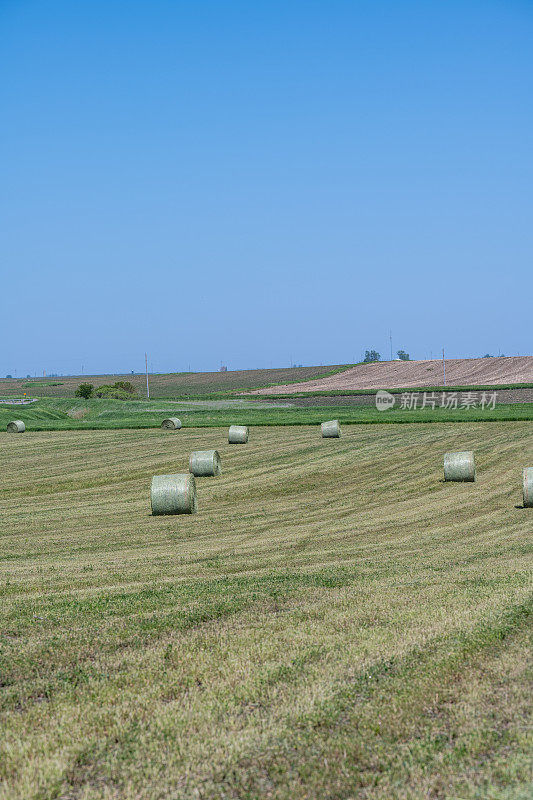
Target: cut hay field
<point>335,622</point>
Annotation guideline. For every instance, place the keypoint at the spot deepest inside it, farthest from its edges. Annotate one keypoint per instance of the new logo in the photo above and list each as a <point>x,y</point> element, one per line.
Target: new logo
<point>384,400</point>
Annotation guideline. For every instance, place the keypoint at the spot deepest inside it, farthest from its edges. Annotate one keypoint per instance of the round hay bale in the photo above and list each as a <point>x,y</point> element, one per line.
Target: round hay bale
<point>171,424</point>
<point>331,429</point>
<point>17,426</point>
<point>173,494</point>
<point>238,434</point>
<point>528,487</point>
<point>205,462</point>
<point>460,466</point>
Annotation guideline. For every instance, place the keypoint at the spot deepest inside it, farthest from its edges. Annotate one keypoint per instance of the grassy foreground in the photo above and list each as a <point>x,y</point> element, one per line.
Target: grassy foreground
<point>335,622</point>
<point>54,414</point>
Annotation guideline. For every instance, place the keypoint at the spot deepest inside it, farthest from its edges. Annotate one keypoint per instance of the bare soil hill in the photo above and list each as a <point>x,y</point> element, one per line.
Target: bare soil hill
<point>400,374</point>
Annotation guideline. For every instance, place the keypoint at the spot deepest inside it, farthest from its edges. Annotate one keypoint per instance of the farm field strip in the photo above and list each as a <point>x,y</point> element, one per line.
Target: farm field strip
<point>68,414</point>
<point>404,374</point>
<point>510,372</point>
<point>173,384</point>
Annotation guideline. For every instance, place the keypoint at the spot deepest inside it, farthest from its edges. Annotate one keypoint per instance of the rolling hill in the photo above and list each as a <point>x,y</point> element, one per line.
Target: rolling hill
<point>172,384</point>
<point>405,374</point>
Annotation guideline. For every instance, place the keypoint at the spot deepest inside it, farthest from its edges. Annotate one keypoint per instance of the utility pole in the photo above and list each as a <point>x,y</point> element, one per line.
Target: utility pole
<point>443,367</point>
<point>147,384</point>
<point>390,337</point>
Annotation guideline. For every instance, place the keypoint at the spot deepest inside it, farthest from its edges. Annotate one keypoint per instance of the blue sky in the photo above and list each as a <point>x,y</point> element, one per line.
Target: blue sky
<point>256,183</point>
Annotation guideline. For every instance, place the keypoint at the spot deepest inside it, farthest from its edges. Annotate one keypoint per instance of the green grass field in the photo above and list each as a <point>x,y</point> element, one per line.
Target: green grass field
<point>335,622</point>
<point>73,414</point>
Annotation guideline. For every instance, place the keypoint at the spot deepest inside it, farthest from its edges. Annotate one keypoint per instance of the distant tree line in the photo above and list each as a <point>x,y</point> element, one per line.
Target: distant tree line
<point>373,355</point>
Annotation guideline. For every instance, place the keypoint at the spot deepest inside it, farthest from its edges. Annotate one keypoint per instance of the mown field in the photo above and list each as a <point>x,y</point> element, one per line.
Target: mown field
<point>335,622</point>
<point>73,414</point>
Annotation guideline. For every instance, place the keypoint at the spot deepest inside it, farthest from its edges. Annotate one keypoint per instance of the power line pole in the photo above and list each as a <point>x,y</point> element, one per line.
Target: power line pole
<point>443,367</point>
<point>147,384</point>
<point>390,337</point>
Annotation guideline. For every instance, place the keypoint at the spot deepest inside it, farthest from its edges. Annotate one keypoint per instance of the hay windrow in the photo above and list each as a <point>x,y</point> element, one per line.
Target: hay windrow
<point>77,413</point>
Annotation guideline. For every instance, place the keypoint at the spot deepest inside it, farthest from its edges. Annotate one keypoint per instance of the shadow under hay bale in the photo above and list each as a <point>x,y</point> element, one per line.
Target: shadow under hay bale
<point>204,463</point>
<point>171,424</point>
<point>238,434</point>
<point>460,466</point>
<point>17,426</point>
<point>173,494</point>
<point>331,429</point>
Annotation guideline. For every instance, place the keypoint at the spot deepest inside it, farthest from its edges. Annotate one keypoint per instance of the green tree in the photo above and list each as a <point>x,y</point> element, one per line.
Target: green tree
<point>84,390</point>
<point>403,356</point>
<point>371,355</point>
<point>112,393</point>
<point>126,386</point>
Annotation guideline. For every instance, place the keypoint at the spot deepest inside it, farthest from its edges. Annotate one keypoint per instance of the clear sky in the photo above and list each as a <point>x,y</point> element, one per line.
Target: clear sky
<point>263,182</point>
